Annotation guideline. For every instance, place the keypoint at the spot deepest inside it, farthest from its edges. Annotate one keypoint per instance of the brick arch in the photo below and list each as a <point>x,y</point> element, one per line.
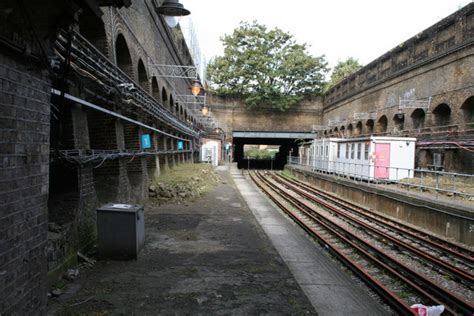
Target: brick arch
<point>418,118</point>
<point>350,129</point>
<point>441,115</point>
<point>359,128</point>
<point>155,89</point>
<point>467,109</point>
<point>399,121</point>
<point>382,124</point>
<point>171,104</point>
<point>93,29</point>
<point>123,56</point>
<point>343,131</point>
<point>164,97</point>
<point>142,76</point>
<point>369,126</point>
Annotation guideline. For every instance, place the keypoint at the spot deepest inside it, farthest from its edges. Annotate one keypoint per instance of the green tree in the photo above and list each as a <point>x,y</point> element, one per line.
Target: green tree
<point>266,67</point>
<point>343,69</point>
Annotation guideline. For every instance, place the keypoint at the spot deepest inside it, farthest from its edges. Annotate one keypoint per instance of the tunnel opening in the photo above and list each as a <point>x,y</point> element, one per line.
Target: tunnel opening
<point>249,153</point>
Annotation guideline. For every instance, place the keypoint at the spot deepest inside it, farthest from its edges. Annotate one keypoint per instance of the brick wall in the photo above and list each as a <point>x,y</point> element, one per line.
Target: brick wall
<point>101,130</point>
<point>24,165</point>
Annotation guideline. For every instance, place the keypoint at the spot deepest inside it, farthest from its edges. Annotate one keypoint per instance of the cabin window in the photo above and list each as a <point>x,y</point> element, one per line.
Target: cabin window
<point>326,151</point>
<point>359,149</point>
<point>352,151</point>
<point>366,151</point>
<point>338,150</point>
<point>346,147</point>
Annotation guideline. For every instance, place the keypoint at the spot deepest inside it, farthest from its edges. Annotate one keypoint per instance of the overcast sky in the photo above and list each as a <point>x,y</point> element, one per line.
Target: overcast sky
<point>364,29</point>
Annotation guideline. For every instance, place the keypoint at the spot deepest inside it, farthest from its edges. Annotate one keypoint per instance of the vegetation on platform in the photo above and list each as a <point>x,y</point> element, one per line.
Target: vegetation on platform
<point>183,182</point>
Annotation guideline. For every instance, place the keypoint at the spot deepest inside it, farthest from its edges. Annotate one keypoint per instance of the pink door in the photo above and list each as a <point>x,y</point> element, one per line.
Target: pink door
<point>382,161</point>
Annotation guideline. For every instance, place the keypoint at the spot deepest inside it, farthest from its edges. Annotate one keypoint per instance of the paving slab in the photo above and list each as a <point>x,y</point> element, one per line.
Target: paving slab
<point>208,257</point>
<point>331,290</point>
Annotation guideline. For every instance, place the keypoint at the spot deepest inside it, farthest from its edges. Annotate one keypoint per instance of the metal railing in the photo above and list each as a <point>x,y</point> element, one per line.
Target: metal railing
<point>447,183</point>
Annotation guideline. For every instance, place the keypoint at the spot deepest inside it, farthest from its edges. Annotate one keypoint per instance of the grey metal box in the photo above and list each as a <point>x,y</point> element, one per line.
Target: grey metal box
<point>120,231</point>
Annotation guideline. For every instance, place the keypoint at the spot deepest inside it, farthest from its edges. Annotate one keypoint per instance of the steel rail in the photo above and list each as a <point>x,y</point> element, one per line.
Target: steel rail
<point>389,297</point>
<point>434,241</point>
<point>405,273</point>
<point>454,271</point>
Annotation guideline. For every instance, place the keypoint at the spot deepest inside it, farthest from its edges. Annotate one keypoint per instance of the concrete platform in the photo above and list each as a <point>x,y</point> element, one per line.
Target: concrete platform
<point>209,257</point>
<point>331,290</point>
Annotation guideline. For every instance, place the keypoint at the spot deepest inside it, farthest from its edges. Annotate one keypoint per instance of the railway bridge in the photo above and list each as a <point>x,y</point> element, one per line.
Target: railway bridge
<point>287,143</point>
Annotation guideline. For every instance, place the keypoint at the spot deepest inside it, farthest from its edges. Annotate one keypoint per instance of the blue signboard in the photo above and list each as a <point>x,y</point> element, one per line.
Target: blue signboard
<point>146,142</point>
<point>180,145</point>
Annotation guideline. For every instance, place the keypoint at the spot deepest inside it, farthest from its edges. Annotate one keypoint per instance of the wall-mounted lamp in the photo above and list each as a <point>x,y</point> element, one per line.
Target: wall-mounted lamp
<point>172,11</point>
<point>196,88</point>
<point>204,110</point>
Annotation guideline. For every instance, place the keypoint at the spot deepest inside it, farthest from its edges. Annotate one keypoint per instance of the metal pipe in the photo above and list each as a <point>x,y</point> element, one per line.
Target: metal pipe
<point>101,109</point>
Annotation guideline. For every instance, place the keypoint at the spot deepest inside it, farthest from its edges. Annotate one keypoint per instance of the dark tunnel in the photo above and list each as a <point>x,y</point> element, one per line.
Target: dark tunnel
<point>288,146</point>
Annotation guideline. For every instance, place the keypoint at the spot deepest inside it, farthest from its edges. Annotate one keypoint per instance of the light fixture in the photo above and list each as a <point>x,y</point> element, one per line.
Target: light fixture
<point>196,88</point>
<point>172,11</point>
<point>204,110</point>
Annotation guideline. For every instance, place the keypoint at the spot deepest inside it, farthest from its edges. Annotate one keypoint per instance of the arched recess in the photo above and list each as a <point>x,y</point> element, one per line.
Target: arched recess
<point>336,131</point>
<point>468,110</point>
<point>399,121</point>
<point>418,118</point>
<point>155,89</point>
<point>142,76</point>
<point>172,106</point>
<point>382,124</point>
<point>370,126</point>
<point>164,97</point>
<point>93,29</point>
<point>350,130</point>
<point>358,129</point>
<point>343,131</point>
<point>325,133</point>
<point>442,115</point>
<point>122,55</point>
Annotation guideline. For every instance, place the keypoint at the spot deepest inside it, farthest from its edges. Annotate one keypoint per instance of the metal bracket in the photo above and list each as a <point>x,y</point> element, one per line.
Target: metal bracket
<point>191,99</point>
<point>319,127</point>
<point>336,122</point>
<point>414,103</point>
<point>174,71</point>
<point>365,116</point>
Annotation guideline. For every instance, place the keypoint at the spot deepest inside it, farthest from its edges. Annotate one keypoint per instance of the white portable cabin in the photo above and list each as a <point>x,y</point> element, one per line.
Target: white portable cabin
<point>391,158</point>
<point>324,152</point>
<point>304,152</point>
<point>210,152</point>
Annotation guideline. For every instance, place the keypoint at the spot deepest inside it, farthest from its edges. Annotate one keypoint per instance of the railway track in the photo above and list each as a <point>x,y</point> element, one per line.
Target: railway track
<point>456,252</point>
<point>366,244</point>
